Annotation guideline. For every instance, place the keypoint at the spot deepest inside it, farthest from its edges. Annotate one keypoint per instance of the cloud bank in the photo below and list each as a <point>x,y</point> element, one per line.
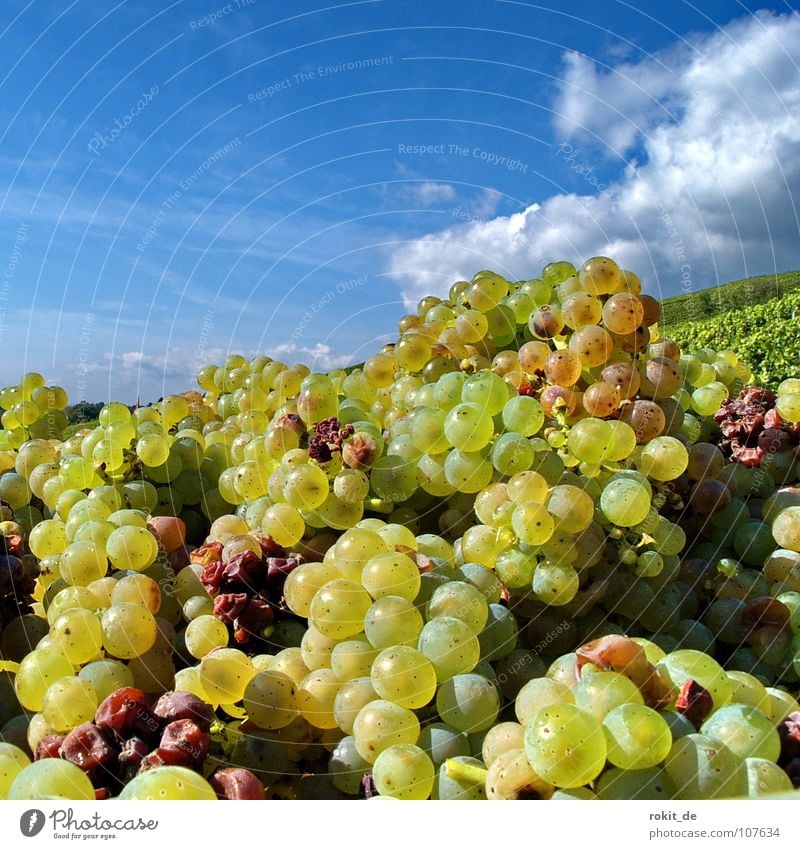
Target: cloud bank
<point>707,137</point>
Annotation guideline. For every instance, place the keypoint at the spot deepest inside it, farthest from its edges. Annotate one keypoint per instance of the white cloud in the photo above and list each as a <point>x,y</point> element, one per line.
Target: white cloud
<point>709,196</point>
<point>319,357</point>
<point>429,193</point>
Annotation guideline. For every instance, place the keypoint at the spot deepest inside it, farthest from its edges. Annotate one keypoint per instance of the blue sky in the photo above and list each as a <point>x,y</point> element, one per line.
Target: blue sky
<point>179,181</point>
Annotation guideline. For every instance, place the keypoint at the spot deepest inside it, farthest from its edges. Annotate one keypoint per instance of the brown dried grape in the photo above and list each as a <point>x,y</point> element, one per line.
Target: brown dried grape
<point>623,313</point>
<point>179,705</point>
<point>237,783</point>
<point>90,748</point>
<point>624,376</point>
<point>48,747</point>
<point>123,710</point>
<point>185,736</point>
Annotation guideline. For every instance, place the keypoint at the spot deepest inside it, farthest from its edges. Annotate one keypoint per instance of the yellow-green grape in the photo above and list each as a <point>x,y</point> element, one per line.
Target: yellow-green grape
<point>707,399</point>
<point>204,634</point>
<point>354,549</point>
<point>510,777</point>
<point>684,664</point>
<point>83,562</point>
<point>138,589</point>
<point>701,768</point>
<point>532,522</point>
<point>96,532</point>
<point>198,605</point>
<point>600,276</point>
<point>468,427</point>
<point>316,648</point>
<point>663,458</point>
<point>540,693</point>
<point>788,405</point>
<point>786,528</point>
<point>306,487</point>
<point>468,702</point>
<point>351,486</point>
<point>392,621</point>
<point>405,676</point>
<point>303,583</point>
<point>250,480</point>
<point>524,415</point>
<point>339,608</point>
<point>129,630</point>
<point>404,771</point>
<point>598,693</point>
<point>512,453</point>
<point>52,778</point>
<point>450,645</point>
<point>590,440</point>
<point>462,601</point>
<point>270,700</point>
<point>69,702</point>
<point>284,524</point>
<point>571,508</point>
<point>12,761</point>
<point>527,486</point>
<point>167,783</point>
<point>351,697</point>
<point>781,704</point>
<point>565,745</point>
<point>765,778</point>
<point>62,600</point>
<point>637,736</point>
<point>748,690</point>
<point>391,574</point>
<point>48,537</point>
<point>132,547</point>
<point>555,583</point>
<point>14,490</point>
<point>106,676</point>
<point>317,399</point>
<point>353,658</point>
<point>467,471</point>
<point>78,635</point>
<point>76,472</point>
<point>382,724</point>
<point>745,730</point>
<point>625,502</point>
<point>37,671</point>
<point>225,673</point>
<point>316,695</point>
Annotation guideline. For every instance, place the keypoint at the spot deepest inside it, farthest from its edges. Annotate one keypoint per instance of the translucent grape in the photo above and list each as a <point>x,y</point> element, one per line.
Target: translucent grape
<point>468,702</point>
<point>382,724</point>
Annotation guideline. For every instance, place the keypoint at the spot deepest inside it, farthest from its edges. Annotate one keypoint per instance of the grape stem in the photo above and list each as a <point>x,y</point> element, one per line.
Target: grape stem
<point>465,773</point>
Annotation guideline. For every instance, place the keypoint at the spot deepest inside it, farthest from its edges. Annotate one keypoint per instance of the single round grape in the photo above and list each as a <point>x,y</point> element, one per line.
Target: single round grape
<point>168,782</point>
<point>392,620</point>
<point>540,693</point>
<point>204,634</point>
<point>405,676</point>
<point>391,574</point>
<point>637,736</point>
<point>37,671</point>
<point>701,768</point>
<point>225,673</point>
<point>69,702</point>
<point>625,502</point>
<point>450,645</point>
<point>346,767</point>
<point>524,415</point>
<point>78,635</point>
<point>270,699</point>
<point>765,778</point>
<point>129,630</point>
<point>460,600</point>
<point>468,702</point>
<point>664,459</point>
<point>382,724</point>
<point>316,696</point>
<point>339,608</point>
<point>350,698</point>
<point>131,547</point>
<point>468,427</point>
<point>598,693</point>
<point>745,730</point>
<point>565,745</point>
<point>52,778</point>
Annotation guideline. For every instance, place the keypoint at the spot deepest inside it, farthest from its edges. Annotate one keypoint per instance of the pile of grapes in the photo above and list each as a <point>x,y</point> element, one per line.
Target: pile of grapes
<point>531,550</point>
